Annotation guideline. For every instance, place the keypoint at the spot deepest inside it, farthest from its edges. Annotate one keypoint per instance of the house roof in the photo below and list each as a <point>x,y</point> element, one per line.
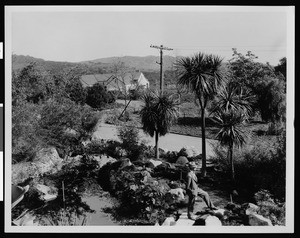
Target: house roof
<point>109,79</point>
<point>91,79</point>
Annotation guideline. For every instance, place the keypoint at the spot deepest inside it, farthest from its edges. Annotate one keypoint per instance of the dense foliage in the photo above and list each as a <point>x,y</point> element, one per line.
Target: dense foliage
<point>47,111</point>
<point>263,81</point>
<point>256,167</point>
<point>98,97</point>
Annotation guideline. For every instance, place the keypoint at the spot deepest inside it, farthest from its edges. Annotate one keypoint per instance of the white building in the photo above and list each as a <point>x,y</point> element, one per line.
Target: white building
<point>112,82</point>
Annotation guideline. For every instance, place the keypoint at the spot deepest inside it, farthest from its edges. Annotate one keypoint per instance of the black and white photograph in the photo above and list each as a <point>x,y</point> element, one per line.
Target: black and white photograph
<point>149,119</point>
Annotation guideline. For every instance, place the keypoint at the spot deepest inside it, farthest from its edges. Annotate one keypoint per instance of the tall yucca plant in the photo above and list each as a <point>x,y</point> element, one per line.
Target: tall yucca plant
<point>231,132</point>
<point>158,114</point>
<point>202,75</point>
<point>233,98</point>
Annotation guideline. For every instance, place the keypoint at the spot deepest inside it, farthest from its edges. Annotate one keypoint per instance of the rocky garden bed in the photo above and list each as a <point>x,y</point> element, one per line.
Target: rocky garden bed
<point>148,191</point>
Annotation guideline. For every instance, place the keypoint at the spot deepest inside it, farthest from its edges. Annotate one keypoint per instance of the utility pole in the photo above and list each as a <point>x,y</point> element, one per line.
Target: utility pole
<point>161,48</point>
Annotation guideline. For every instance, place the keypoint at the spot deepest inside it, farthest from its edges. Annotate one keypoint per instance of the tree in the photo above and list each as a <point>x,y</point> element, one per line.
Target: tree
<point>231,97</point>
<point>230,132</point>
<point>262,80</point>
<point>30,84</point>
<point>202,75</point>
<point>281,67</point>
<point>25,142</point>
<point>271,99</point>
<point>64,124</point>
<point>232,107</point>
<point>98,97</point>
<point>158,114</point>
<point>73,87</point>
<point>75,91</point>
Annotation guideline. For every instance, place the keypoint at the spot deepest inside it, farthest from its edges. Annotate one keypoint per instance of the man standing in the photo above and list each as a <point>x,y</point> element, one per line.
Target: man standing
<point>193,191</point>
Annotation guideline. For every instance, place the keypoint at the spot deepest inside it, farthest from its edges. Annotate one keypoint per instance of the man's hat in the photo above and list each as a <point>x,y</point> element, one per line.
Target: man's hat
<point>192,165</point>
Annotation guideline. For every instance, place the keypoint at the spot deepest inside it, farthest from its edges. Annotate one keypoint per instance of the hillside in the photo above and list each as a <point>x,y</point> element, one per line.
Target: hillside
<point>101,65</point>
<point>56,67</point>
<point>146,63</point>
<point>20,61</point>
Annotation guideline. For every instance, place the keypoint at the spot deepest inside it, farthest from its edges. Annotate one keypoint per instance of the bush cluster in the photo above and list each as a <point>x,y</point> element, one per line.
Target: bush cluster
<point>269,207</point>
<point>256,167</point>
<point>97,96</point>
<point>140,195</point>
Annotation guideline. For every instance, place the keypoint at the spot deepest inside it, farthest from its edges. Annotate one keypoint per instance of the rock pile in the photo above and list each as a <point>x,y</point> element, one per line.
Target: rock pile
<point>46,161</point>
<point>245,215</point>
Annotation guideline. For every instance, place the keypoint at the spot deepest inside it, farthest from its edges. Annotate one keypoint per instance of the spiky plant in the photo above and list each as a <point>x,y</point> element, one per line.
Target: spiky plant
<point>202,75</point>
<point>233,98</point>
<point>231,132</point>
<point>158,114</point>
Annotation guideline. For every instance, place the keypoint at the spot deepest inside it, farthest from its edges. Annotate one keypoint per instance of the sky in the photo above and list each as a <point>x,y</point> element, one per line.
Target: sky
<point>68,34</point>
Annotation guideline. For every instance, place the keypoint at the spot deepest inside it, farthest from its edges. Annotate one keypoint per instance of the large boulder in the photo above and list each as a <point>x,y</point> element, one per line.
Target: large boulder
<point>184,220</point>
<point>155,162</point>
<point>212,221</point>
<point>258,220</point>
<point>125,162</point>
<point>250,208</point>
<point>23,171</point>
<point>182,160</point>
<point>169,221</point>
<point>47,193</point>
<point>219,213</point>
<point>189,151</point>
<point>207,220</point>
<point>47,160</point>
<point>178,193</point>
<point>73,161</point>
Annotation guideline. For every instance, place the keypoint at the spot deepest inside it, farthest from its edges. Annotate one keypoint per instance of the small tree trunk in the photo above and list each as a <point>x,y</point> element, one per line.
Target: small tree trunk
<point>124,110</point>
<point>231,163</point>
<point>203,142</point>
<point>156,145</point>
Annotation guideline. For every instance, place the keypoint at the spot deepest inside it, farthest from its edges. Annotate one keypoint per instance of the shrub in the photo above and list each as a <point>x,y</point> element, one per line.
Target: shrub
<point>269,208</point>
<point>115,119</point>
<point>112,120</point>
<point>60,124</point>
<point>75,90</point>
<point>129,136</point>
<point>25,141</point>
<point>257,167</point>
<point>136,94</point>
<point>143,200</point>
<point>98,97</point>
<point>125,117</point>
<point>111,149</point>
<point>89,120</point>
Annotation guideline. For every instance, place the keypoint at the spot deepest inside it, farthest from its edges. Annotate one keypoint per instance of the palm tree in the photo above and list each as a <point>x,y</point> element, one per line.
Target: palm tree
<point>202,75</point>
<point>158,114</point>
<point>231,132</point>
<point>233,98</point>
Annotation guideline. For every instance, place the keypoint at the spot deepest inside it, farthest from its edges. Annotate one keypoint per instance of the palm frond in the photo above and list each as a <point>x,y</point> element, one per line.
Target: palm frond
<point>200,73</point>
<point>231,98</point>
<point>230,126</point>
<point>158,113</point>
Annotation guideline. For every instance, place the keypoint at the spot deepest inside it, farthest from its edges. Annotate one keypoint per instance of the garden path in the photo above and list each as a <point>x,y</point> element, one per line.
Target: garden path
<point>171,142</point>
